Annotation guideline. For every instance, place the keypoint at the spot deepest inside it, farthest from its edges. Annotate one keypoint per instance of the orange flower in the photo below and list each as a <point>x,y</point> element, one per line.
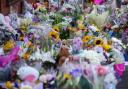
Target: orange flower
<point>26,56</point>
<point>29,43</point>
<point>8,45</point>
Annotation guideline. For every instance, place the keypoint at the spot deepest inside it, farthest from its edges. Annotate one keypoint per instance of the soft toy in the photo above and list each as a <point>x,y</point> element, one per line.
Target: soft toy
<point>28,73</point>
<point>63,54</point>
<point>4,60</point>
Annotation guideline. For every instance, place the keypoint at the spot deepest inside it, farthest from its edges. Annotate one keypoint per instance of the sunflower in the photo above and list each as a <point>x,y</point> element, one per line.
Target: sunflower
<point>86,39</point>
<point>98,41</point>
<point>54,35</point>
<point>8,45</point>
<point>56,28</point>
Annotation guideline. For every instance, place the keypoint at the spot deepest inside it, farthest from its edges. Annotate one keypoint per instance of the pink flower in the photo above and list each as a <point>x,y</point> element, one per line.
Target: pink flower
<point>101,70</point>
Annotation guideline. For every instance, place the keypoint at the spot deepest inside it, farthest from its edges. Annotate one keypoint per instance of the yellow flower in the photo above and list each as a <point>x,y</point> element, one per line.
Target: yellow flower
<point>98,41</point>
<point>106,47</point>
<point>56,28</point>
<point>81,26</point>
<point>72,29</point>
<point>67,76</point>
<point>9,85</point>
<point>54,34</point>
<point>109,42</point>
<point>29,43</point>
<point>23,27</point>
<point>21,37</point>
<point>86,39</point>
<point>8,45</point>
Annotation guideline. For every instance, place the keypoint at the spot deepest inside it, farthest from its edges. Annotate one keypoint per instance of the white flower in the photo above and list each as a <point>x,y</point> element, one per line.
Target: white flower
<point>65,6</point>
<point>37,55</point>
<point>118,56</point>
<point>47,57</point>
<point>116,40</point>
<point>26,87</point>
<point>110,78</point>
<point>43,56</point>
<point>93,56</point>
<point>93,28</point>
<point>1,51</point>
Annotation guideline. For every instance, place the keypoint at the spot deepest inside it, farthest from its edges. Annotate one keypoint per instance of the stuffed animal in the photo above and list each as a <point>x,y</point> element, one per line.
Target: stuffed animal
<point>28,73</point>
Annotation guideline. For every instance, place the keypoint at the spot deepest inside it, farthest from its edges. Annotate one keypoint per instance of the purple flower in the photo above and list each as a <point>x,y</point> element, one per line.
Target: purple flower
<point>77,44</point>
<point>125,36</point>
<point>36,19</point>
